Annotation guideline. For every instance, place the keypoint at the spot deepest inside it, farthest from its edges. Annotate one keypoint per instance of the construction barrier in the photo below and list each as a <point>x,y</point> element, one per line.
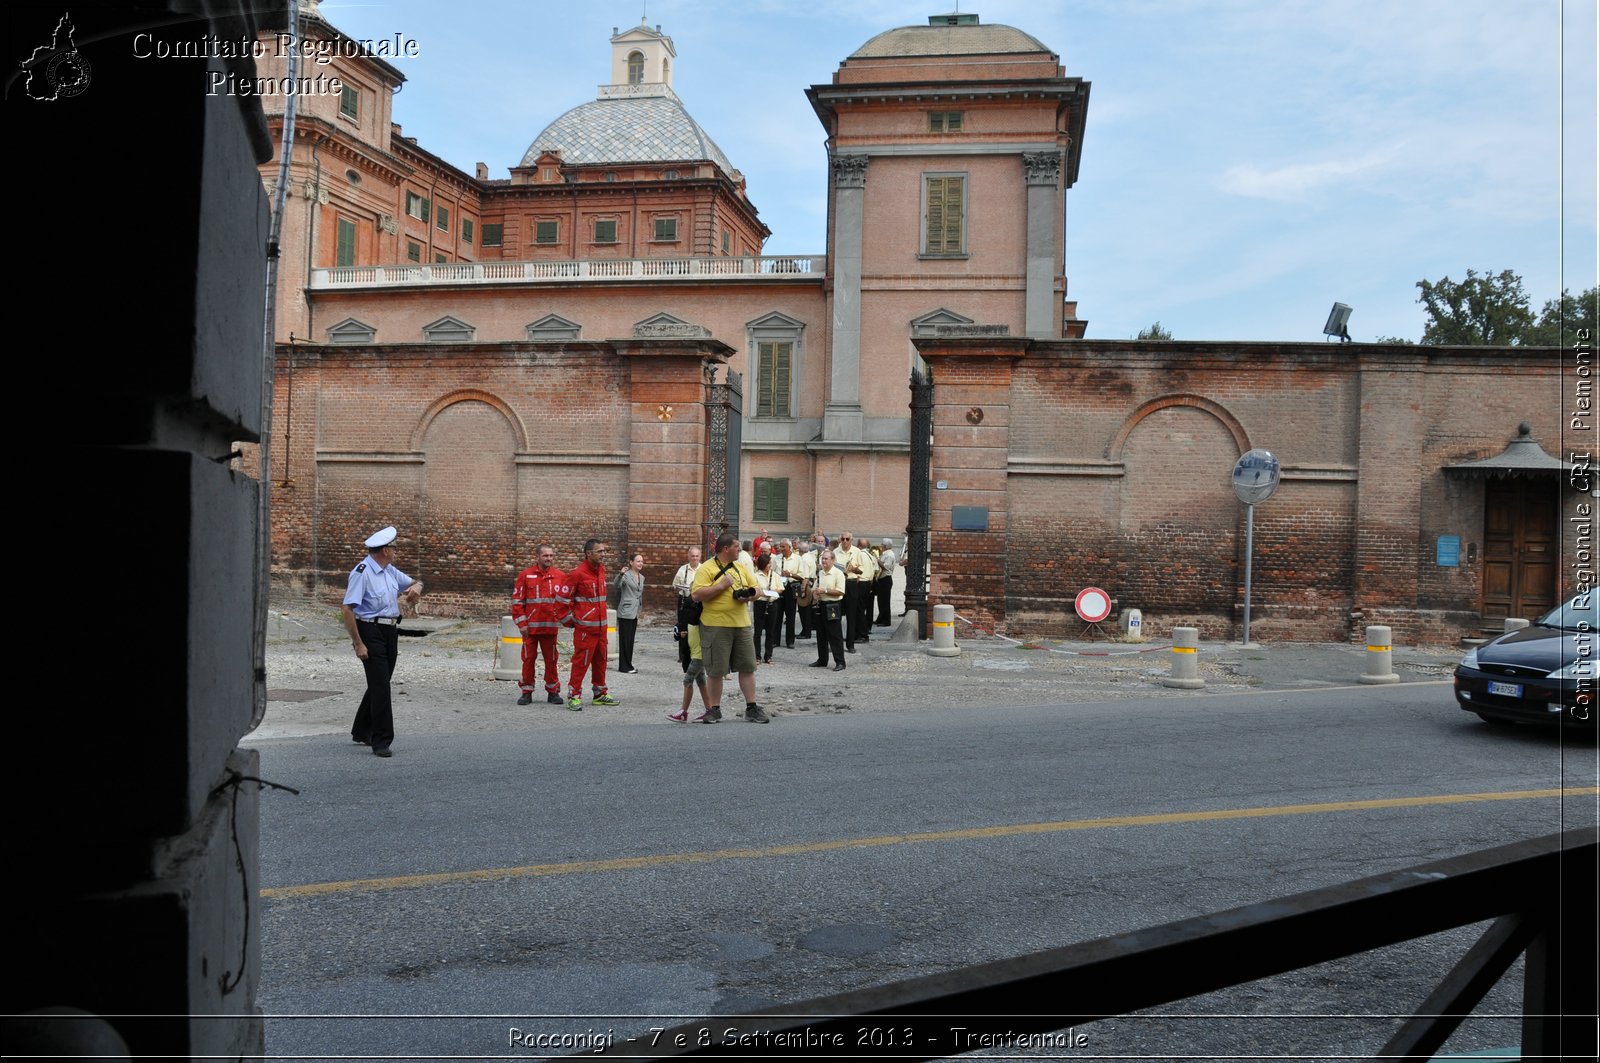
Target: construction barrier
<point>1380,656</point>
<point>942,632</point>
<point>508,651</point>
<point>1185,660</point>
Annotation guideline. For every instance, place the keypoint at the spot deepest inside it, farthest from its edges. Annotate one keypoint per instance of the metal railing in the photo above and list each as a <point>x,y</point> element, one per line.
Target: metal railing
<point>771,267</point>
<point>1540,894</point>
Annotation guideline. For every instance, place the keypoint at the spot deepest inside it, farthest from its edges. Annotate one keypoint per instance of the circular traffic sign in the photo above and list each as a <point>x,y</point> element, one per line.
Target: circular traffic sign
<point>1255,476</point>
<point>1093,605</point>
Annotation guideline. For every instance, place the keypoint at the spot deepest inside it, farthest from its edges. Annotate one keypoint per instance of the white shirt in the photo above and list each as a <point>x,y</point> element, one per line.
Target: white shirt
<point>684,579</point>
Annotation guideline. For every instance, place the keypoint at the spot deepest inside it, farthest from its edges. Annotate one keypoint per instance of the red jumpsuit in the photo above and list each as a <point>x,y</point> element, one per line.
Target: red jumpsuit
<point>586,591</point>
<point>537,606</point>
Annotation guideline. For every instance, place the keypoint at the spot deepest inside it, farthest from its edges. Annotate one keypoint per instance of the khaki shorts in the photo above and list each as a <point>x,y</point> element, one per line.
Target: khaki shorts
<point>727,649</point>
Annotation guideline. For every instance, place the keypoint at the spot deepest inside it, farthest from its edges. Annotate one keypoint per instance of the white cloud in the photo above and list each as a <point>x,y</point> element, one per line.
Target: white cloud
<point>1296,182</point>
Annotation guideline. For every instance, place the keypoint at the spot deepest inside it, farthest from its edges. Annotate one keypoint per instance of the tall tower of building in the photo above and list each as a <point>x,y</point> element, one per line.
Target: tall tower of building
<point>950,147</point>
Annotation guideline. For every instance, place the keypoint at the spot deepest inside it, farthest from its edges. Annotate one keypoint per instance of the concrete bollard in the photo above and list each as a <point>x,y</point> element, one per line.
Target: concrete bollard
<point>1185,660</point>
<point>1380,656</point>
<point>613,649</point>
<point>1515,623</point>
<point>943,630</point>
<point>508,651</point>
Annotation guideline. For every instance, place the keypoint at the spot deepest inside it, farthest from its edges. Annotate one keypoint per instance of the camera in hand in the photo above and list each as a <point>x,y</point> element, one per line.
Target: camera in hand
<point>743,594</point>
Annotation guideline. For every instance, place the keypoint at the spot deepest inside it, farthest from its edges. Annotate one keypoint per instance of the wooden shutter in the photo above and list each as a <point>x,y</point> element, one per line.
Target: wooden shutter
<point>773,377</point>
<point>945,215</point>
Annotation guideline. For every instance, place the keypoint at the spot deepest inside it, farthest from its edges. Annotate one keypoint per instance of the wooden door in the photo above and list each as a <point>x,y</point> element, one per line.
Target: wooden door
<point>1520,522</point>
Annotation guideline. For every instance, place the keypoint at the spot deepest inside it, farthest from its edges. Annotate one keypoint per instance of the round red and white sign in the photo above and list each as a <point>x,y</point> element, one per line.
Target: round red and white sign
<point>1093,605</point>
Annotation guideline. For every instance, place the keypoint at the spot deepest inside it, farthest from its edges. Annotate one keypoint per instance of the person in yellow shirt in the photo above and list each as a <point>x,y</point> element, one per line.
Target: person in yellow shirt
<point>854,563</point>
<point>830,592</point>
<point>724,586</point>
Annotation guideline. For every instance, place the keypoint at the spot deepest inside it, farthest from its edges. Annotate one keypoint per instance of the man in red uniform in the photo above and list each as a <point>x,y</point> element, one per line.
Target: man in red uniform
<point>536,607</point>
<point>585,592</point>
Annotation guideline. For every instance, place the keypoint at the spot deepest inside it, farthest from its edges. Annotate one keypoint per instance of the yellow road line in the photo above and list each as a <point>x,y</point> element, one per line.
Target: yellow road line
<point>634,863</point>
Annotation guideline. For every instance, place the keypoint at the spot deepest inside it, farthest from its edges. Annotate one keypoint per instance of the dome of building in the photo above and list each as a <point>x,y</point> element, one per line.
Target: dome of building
<point>950,35</point>
<point>617,131</point>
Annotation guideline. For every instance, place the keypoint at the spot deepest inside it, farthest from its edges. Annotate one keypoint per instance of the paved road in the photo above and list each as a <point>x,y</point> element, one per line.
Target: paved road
<point>575,881</point>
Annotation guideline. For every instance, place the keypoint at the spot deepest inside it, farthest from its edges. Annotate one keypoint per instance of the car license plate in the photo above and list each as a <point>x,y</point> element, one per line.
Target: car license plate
<point>1506,690</point>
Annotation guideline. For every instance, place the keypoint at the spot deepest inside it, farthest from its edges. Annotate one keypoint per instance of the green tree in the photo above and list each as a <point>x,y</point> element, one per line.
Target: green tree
<point>1561,319</point>
<point>1482,310</point>
<point>1154,332</point>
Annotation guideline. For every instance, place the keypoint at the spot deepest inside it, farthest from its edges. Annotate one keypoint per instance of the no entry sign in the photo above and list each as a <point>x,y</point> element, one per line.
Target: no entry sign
<point>1093,605</point>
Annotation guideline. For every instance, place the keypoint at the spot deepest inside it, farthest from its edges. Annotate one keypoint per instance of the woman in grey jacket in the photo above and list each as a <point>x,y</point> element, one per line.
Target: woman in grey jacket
<point>630,595</point>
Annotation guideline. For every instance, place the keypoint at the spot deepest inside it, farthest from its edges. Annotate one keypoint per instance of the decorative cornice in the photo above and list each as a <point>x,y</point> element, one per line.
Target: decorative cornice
<point>1043,167</point>
<point>849,171</point>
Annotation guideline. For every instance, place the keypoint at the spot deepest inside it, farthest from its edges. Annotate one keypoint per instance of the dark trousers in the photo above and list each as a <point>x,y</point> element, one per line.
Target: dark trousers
<point>828,636</point>
<point>374,723</point>
<point>626,630</point>
<point>787,604</point>
<point>852,612</point>
<point>762,611</point>
<point>683,631</point>
<point>806,614</point>
<point>881,588</point>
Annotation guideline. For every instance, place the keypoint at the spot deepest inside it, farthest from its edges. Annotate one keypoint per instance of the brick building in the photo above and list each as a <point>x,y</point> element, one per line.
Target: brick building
<point>418,285</point>
<point>489,362</point>
<point>1411,494</point>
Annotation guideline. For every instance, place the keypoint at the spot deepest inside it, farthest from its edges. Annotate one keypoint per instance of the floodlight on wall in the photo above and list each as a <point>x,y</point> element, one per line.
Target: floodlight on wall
<point>1338,323</point>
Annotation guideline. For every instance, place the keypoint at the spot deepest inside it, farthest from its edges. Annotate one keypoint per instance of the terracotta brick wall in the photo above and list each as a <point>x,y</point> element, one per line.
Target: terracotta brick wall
<point>479,452</point>
<point>1106,464</point>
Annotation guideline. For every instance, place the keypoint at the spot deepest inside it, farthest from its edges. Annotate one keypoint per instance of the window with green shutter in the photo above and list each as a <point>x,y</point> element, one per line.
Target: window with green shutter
<point>444,219</point>
<point>466,230</point>
<point>546,232</point>
<point>945,231</point>
<point>774,370</point>
<point>605,231</point>
<point>413,251</point>
<point>771,500</point>
<point>349,102</point>
<point>494,233</point>
<point>345,254</point>
<point>667,230</point>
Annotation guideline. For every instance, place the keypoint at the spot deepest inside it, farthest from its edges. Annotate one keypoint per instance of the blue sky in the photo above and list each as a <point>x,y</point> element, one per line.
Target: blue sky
<point>1246,162</point>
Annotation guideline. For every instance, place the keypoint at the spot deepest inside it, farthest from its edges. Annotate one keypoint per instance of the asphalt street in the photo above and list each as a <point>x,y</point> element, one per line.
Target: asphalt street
<point>585,882</point>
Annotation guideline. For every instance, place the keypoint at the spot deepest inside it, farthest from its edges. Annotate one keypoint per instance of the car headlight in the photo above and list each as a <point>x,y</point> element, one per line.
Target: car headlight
<point>1471,659</point>
<point>1582,668</point>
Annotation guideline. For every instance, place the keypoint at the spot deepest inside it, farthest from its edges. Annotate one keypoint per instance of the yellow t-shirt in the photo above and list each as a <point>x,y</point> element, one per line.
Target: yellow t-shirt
<point>722,609</point>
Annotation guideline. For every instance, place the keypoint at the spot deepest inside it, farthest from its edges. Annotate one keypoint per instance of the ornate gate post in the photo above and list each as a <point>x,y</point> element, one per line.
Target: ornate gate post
<point>919,509</point>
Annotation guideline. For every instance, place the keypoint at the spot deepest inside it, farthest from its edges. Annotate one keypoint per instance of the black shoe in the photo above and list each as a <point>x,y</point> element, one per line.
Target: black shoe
<point>628,671</point>
<point>360,741</point>
<point>838,668</point>
<point>554,699</point>
<point>381,751</point>
<point>526,699</point>
<point>753,714</point>
<point>788,645</point>
<point>849,649</point>
<point>819,664</point>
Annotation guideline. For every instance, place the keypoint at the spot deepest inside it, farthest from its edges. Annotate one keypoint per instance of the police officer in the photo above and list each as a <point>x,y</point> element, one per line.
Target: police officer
<point>372,616</point>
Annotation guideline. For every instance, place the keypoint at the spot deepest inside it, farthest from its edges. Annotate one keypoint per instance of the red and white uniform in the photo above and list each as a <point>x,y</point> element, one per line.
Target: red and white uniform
<point>586,595</point>
<point>537,605</point>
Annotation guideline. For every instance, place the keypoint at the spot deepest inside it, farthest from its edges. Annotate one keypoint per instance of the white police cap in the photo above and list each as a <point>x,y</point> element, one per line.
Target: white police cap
<point>382,538</point>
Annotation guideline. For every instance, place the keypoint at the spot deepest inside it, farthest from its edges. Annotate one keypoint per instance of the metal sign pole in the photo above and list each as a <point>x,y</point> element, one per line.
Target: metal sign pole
<point>1255,478</point>
<point>1249,560</point>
